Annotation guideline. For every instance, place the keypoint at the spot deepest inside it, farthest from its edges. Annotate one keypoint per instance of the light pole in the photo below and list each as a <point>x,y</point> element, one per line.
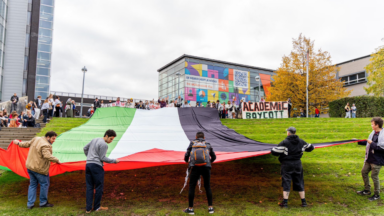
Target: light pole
<point>307,78</point>
<point>178,84</point>
<point>84,69</point>
<point>257,78</point>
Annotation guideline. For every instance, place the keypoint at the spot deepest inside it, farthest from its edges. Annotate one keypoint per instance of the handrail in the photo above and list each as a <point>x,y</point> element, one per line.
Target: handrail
<point>100,97</point>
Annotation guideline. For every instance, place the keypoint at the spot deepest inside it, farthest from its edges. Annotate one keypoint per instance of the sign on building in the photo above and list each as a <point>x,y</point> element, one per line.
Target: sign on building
<point>265,110</point>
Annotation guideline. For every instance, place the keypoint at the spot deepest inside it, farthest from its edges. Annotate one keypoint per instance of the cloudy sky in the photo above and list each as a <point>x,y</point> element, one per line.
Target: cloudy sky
<point>124,42</point>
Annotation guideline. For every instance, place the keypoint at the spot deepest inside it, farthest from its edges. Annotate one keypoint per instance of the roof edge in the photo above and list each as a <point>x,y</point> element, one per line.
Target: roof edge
<point>352,60</point>
<point>208,59</point>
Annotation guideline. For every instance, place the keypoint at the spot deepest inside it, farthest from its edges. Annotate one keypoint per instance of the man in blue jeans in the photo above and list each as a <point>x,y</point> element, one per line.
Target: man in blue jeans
<point>38,163</point>
<point>94,171</point>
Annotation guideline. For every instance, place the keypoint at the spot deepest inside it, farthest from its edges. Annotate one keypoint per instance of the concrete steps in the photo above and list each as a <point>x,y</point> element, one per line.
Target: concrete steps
<point>7,135</point>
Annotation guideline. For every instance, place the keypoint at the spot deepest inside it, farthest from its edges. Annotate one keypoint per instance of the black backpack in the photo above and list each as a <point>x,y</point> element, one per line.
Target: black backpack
<point>199,154</point>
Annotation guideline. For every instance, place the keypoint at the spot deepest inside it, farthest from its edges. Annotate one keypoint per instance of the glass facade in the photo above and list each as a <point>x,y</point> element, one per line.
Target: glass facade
<point>3,22</point>
<point>44,52</point>
<point>201,81</point>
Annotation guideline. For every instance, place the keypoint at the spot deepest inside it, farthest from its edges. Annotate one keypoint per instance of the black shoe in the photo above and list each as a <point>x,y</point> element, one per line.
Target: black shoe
<point>188,211</point>
<point>31,207</point>
<point>46,205</point>
<point>374,197</point>
<point>211,211</point>
<point>364,192</point>
<point>283,205</point>
<point>304,204</point>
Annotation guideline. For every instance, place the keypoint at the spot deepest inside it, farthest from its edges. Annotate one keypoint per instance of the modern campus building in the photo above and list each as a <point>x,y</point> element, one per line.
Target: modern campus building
<point>198,79</point>
<point>25,47</point>
<point>352,72</point>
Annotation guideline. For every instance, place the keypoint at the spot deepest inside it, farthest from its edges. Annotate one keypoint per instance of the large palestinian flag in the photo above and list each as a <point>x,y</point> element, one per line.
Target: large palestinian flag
<point>145,139</point>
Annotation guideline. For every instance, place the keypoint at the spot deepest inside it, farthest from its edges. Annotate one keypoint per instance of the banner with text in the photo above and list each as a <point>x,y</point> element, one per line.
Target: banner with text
<point>201,82</point>
<point>264,110</point>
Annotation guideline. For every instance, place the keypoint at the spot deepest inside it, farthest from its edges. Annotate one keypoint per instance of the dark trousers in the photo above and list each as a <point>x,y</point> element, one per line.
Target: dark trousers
<point>57,112</point>
<point>30,124</point>
<point>94,178</point>
<point>289,112</point>
<point>13,107</point>
<point>196,172</point>
<point>45,113</point>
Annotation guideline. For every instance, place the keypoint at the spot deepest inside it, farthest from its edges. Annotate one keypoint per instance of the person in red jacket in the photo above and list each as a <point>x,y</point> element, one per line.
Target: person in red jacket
<point>317,112</point>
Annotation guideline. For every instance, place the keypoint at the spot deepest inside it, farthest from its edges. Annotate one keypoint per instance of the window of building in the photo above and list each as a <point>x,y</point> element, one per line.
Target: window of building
<point>42,80</point>
<point>45,24</point>
<point>42,71</point>
<point>47,2</point>
<point>354,79</point>
<point>46,9</point>
<point>44,48</point>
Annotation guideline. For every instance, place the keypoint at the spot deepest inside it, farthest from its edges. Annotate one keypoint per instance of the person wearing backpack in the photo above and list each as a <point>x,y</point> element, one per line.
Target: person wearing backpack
<point>290,152</point>
<point>200,156</point>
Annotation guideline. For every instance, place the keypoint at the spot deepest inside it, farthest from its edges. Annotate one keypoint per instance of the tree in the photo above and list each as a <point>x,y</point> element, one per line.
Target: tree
<point>290,79</point>
<point>375,71</point>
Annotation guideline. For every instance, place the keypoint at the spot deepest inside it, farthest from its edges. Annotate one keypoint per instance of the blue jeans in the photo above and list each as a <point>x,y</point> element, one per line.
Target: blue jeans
<point>317,115</point>
<point>94,178</point>
<point>43,180</point>
<point>353,115</point>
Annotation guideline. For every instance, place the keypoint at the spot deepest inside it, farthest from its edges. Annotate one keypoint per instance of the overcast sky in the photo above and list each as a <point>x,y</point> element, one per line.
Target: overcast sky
<point>124,42</point>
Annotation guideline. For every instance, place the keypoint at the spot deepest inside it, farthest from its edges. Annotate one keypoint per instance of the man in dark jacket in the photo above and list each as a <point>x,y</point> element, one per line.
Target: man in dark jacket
<point>14,100</point>
<point>374,159</point>
<point>197,171</point>
<point>140,105</point>
<point>29,120</point>
<point>96,104</point>
<point>162,103</point>
<point>290,151</point>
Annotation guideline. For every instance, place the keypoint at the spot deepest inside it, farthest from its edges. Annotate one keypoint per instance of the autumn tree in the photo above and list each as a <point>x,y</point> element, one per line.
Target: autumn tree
<point>290,79</point>
<point>375,71</point>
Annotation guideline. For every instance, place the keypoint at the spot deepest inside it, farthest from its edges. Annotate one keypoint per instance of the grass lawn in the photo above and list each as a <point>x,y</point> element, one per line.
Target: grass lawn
<point>245,187</point>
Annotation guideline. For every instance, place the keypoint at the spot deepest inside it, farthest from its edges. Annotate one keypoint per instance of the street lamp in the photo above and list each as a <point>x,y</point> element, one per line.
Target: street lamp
<point>178,84</point>
<point>84,69</point>
<point>307,79</point>
<point>257,78</point>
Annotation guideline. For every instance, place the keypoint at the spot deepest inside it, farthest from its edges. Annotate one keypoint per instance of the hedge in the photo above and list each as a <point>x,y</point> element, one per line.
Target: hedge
<point>367,106</point>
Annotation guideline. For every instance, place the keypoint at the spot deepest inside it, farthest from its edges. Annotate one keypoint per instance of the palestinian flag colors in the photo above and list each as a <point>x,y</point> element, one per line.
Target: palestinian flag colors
<point>145,138</point>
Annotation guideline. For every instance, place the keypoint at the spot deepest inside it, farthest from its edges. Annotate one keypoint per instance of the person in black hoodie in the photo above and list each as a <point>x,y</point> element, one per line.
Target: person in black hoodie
<point>374,159</point>
<point>290,151</point>
<point>197,171</point>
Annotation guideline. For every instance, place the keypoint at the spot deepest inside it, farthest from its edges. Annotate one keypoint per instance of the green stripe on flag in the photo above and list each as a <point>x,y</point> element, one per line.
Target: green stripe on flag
<point>69,146</point>
<point>4,168</point>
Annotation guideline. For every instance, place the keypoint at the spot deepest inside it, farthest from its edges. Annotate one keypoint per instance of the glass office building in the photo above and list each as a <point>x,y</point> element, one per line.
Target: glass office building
<point>26,55</point>
<point>198,79</point>
<point>43,67</point>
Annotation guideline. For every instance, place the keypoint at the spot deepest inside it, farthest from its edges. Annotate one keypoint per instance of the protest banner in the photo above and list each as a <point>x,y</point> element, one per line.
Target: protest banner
<point>264,110</point>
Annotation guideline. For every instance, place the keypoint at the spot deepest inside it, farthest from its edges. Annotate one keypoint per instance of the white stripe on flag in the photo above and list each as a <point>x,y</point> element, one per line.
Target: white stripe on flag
<point>152,129</point>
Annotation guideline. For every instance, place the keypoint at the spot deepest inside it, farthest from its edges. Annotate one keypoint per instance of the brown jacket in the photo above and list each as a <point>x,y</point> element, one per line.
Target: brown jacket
<point>40,155</point>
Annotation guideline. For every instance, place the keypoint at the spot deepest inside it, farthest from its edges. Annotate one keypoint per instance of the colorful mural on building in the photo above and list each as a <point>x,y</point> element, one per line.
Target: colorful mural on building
<point>205,83</point>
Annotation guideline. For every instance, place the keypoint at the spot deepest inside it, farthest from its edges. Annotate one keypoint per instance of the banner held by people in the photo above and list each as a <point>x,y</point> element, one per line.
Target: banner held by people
<point>265,110</point>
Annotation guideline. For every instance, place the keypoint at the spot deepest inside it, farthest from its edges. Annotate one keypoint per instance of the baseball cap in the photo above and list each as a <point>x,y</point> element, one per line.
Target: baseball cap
<point>292,130</point>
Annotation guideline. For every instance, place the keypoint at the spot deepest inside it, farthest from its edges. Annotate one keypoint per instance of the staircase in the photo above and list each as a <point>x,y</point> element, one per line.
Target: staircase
<point>7,135</point>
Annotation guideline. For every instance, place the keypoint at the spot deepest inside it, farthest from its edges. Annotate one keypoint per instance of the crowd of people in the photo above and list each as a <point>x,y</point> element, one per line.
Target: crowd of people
<point>228,110</point>
<point>35,109</point>
<point>200,156</point>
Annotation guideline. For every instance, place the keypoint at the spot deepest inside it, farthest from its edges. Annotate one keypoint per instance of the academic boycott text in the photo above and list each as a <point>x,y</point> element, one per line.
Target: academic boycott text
<point>264,110</point>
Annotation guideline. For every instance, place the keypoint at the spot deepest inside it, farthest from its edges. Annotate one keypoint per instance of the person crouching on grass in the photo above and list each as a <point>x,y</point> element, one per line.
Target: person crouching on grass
<point>38,162</point>
<point>94,171</point>
<point>374,159</point>
<point>290,151</point>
